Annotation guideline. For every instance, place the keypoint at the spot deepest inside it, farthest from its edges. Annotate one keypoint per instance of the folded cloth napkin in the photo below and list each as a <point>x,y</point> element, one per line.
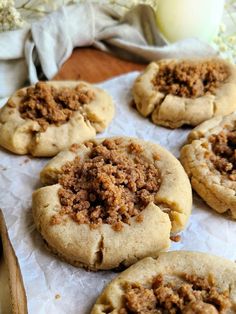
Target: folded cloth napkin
<point>42,48</point>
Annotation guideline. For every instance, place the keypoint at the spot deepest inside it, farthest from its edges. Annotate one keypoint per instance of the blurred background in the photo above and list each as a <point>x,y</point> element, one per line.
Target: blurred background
<point>213,21</point>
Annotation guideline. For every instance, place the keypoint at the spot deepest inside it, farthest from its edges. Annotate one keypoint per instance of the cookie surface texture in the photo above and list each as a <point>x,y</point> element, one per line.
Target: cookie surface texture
<point>209,160</point>
<point>48,117</point>
<point>177,92</point>
<point>110,202</point>
<point>174,282</point>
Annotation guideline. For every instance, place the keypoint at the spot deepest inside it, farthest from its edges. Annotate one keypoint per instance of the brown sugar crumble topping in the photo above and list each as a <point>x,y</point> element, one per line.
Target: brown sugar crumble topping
<point>192,295</point>
<point>114,183</point>
<point>224,153</point>
<point>49,105</point>
<point>175,238</point>
<point>188,79</point>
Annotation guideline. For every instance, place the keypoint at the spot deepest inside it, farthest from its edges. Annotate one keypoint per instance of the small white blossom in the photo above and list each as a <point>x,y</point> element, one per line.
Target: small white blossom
<point>226,39</point>
<point>232,39</point>
<point>9,17</point>
<point>223,47</point>
<point>222,28</point>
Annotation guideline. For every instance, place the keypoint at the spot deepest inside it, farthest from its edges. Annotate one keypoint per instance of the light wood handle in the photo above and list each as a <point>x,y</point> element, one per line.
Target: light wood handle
<point>17,290</point>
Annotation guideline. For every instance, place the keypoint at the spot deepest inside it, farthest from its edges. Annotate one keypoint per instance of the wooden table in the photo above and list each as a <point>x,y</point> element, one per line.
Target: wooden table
<point>95,66</point>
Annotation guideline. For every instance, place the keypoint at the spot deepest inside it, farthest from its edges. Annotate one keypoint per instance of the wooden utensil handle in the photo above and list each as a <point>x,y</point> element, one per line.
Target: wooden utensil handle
<point>17,290</point>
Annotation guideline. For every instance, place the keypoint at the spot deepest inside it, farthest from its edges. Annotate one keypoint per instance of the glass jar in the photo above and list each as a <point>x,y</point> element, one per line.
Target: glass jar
<point>179,19</point>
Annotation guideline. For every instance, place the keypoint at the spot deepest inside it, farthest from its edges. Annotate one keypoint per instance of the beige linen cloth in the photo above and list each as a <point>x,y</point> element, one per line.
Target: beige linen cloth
<point>38,51</point>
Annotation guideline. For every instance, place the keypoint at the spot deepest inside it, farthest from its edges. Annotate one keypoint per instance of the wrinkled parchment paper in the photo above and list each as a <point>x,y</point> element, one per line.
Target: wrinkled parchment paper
<point>53,286</point>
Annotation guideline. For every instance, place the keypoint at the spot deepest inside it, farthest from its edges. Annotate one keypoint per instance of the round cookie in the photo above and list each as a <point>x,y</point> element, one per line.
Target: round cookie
<point>111,202</point>
<point>177,92</point>
<point>48,117</point>
<point>174,282</point>
<point>210,162</point>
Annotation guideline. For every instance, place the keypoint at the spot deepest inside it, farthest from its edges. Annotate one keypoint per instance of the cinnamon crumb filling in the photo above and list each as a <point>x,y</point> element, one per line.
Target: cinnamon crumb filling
<point>224,153</point>
<point>49,105</point>
<point>114,183</point>
<point>192,295</point>
<point>191,80</point>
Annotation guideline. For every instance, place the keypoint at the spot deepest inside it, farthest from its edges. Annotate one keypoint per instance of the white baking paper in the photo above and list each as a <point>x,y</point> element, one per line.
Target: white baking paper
<point>52,286</point>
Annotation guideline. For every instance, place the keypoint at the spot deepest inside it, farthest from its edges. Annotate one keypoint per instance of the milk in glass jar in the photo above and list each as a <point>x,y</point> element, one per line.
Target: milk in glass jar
<point>179,19</point>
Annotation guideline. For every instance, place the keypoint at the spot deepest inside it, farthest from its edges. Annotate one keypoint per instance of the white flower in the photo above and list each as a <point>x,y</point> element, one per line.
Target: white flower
<point>9,17</point>
<point>222,28</point>
<point>226,38</point>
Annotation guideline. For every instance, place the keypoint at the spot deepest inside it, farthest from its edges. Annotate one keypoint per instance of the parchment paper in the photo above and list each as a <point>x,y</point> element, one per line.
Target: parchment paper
<point>53,286</point>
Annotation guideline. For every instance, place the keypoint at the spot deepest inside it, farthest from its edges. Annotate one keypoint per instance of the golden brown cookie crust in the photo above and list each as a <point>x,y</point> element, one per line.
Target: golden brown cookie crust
<point>215,188</point>
<point>174,111</point>
<point>103,247</point>
<point>24,136</point>
<point>172,265</point>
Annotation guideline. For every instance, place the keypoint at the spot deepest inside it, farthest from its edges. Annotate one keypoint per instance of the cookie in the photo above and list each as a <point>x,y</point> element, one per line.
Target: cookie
<point>174,282</point>
<point>48,117</point>
<point>210,162</point>
<point>111,202</point>
<point>177,92</point>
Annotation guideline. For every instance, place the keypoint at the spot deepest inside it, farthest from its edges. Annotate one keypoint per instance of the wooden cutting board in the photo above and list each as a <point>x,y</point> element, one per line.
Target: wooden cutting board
<point>95,66</point>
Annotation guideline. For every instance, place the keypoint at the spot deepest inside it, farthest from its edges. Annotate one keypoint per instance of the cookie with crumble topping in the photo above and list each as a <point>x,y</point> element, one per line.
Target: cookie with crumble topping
<point>209,159</point>
<point>110,202</point>
<point>48,117</point>
<point>175,92</point>
<point>174,282</point>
